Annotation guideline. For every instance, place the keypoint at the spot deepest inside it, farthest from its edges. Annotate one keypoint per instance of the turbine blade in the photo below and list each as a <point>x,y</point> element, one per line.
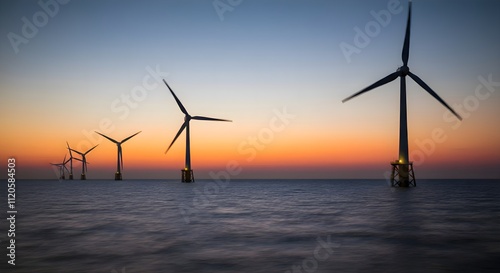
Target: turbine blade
<point>76,151</point>
<point>77,159</point>
<point>91,149</point>
<point>381,82</point>
<point>69,149</point>
<point>406,47</point>
<point>430,91</point>
<point>110,139</point>
<point>121,158</point>
<point>176,99</point>
<point>212,119</point>
<point>176,136</point>
<point>130,137</point>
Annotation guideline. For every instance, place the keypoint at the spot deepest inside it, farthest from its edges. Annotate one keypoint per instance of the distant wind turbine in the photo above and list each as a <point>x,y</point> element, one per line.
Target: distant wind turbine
<point>84,161</point>
<point>62,167</point>
<point>402,169</point>
<point>78,159</point>
<point>70,162</point>
<point>119,162</point>
<point>187,172</point>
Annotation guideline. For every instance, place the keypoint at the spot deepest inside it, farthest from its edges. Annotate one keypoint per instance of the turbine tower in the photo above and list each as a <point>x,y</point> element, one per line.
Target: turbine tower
<point>84,161</point>
<point>61,166</point>
<point>70,162</point>
<point>187,172</point>
<point>119,162</point>
<point>402,169</point>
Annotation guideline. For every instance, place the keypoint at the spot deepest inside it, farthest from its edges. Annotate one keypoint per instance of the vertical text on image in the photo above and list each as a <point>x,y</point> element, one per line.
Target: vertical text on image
<point>11,212</point>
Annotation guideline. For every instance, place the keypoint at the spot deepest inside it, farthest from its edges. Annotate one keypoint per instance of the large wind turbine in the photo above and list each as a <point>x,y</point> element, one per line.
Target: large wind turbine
<point>84,161</point>
<point>70,162</point>
<point>119,162</point>
<point>61,166</point>
<point>187,172</point>
<point>402,172</point>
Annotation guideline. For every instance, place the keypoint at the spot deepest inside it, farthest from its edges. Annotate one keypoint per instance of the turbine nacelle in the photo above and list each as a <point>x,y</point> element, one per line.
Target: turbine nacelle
<point>403,71</point>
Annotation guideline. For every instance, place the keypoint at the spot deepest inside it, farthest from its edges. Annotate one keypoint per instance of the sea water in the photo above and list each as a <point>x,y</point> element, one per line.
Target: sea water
<point>254,226</point>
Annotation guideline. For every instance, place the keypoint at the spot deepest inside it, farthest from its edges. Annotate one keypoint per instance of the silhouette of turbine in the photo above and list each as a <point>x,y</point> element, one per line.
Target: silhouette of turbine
<point>62,167</point>
<point>187,172</point>
<point>84,161</point>
<point>402,171</point>
<point>119,162</point>
<point>70,162</point>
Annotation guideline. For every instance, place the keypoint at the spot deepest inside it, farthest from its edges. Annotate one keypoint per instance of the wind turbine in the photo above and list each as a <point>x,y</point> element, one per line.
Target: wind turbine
<point>84,161</point>
<point>402,169</point>
<point>61,166</point>
<point>78,159</point>
<point>70,162</point>
<point>119,162</point>
<point>187,172</point>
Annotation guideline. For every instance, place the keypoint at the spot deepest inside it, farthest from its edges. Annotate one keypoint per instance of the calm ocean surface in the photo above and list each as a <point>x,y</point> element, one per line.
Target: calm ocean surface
<point>254,226</point>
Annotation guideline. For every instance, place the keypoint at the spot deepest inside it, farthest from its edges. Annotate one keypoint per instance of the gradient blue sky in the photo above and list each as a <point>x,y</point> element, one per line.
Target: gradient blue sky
<point>264,55</point>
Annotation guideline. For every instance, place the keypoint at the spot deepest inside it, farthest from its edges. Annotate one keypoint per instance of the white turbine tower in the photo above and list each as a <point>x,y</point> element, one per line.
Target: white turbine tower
<point>119,162</point>
<point>187,172</point>
<point>402,169</point>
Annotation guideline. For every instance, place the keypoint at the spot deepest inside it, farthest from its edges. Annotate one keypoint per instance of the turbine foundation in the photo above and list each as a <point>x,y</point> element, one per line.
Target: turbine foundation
<point>70,176</point>
<point>118,176</point>
<point>187,176</point>
<point>83,177</point>
<point>402,175</point>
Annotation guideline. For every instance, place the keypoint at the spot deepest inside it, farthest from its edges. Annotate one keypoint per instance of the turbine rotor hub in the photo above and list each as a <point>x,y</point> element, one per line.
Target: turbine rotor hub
<point>404,70</point>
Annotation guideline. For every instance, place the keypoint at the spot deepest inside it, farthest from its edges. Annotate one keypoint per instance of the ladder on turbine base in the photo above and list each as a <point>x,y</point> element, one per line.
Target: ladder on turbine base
<point>402,175</point>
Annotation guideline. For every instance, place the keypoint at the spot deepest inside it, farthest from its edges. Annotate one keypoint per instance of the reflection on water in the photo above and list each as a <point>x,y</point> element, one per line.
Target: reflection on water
<point>256,226</point>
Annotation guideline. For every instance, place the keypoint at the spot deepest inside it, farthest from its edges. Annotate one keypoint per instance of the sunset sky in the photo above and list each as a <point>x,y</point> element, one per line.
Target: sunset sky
<point>276,68</point>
